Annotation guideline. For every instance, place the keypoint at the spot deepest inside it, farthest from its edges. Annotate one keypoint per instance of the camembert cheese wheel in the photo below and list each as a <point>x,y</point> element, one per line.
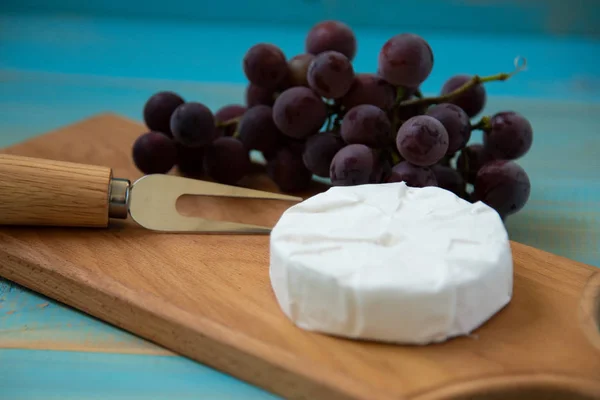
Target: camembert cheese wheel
<point>390,263</point>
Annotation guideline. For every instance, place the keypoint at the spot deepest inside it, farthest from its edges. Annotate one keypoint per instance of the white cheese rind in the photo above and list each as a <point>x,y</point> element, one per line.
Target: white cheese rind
<point>390,263</point>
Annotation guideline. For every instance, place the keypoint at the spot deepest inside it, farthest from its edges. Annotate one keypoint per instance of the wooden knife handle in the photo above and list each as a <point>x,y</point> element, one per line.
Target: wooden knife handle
<point>36,191</point>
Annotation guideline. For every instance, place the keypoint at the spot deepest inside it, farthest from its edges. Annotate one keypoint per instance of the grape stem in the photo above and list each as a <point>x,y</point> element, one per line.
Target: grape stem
<point>229,122</point>
<point>400,92</point>
<point>520,65</point>
<point>396,159</point>
<point>484,124</point>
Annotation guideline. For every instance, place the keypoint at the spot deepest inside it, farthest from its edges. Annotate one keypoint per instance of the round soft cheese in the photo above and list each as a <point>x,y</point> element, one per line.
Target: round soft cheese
<point>390,263</point>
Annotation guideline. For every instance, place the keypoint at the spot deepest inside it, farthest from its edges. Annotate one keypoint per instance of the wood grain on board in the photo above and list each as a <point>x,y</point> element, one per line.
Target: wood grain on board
<point>208,297</point>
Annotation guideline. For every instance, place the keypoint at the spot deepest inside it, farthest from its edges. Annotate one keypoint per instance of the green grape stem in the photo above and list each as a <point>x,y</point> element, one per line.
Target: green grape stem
<point>520,65</point>
<point>484,124</point>
<point>396,159</point>
<point>229,122</point>
<point>400,93</point>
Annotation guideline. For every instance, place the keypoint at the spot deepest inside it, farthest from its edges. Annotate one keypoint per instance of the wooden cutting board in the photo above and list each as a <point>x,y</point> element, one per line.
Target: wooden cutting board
<point>208,297</point>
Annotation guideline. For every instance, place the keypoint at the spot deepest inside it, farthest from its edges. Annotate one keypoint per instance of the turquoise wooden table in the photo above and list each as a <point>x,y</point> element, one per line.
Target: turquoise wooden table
<point>57,69</point>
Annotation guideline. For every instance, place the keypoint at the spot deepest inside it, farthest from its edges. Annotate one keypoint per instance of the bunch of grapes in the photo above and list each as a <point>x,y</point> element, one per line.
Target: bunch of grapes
<point>314,115</point>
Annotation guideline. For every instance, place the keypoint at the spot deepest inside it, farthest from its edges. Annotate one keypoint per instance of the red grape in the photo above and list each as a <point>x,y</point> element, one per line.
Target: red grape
<point>503,185</point>
<point>256,95</point>
<point>405,60</point>
<point>190,161</point>
<point>331,35</point>
<point>456,122</point>
<point>298,67</point>
<point>265,65</point>
<point>288,171</point>
<point>370,89</point>
<point>158,110</point>
<point>412,175</point>
<point>422,140</point>
<point>382,169</point>
<point>472,101</point>
<point>154,153</point>
<point>258,131</point>
<point>193,124</point>
<point>227,113</point>
<point>448,178</point>
<point>227,160</point>
<point>298,112</point>
<point>330,74</point>
<point>296,146</point>
<point>367,124</point>
<point>511,136</point>
<point>320,150</point>
<point>353,165</point>
<point>470,160</point>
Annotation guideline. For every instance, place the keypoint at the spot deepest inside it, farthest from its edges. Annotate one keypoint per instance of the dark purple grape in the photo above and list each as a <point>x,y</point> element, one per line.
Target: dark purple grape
<point>470,160</point>
<point>298,69</point>
<point>256,95</point>
<point>382,169</point>
<point>265,65</point>
<point>190,161</point>
<point>288,171</point>
<point>331,35</point>
<point>298,112</point>
<point>456,122</point>
<point>511,136</point>
<point>154,153</point>
<point>158,110</point>
<point>503,185</point>
<point>405,60</point>
<point>193,125</point>
<point>227,160</point>
<point>330,74</point>
<point>367,124</point>
<point>353,165</point>
<point>227,113</point>
<point>296,146</point>
<point>472,101</point>
<point>422,140</point>
<point>448,178</point>
<point>258,131</point>
<point>320,150</point>
<point>412,175</point>
<point>370,89</point>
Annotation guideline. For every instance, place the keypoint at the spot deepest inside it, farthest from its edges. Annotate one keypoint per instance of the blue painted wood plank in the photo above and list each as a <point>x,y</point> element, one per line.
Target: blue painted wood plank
<point>54,71</point>
<point>559,68</point>
<point>31,321</point>
<point>552,17</point>
<point>51,375</point>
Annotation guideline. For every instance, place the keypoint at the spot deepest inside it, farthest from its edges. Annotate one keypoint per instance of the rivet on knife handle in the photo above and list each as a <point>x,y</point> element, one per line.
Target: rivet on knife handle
<point>56,193</point>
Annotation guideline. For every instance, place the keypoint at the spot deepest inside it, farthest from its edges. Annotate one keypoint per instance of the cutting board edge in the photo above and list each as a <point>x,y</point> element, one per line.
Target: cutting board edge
<point>244,362</point>
<point>589,310</point>
<point>592,269</point>
<point>73,124</point>
<point>501,386</point>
